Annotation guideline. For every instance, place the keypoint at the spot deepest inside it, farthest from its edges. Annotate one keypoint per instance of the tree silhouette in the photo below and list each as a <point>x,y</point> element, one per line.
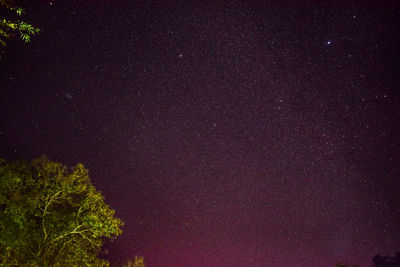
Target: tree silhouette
<point>386,261</point>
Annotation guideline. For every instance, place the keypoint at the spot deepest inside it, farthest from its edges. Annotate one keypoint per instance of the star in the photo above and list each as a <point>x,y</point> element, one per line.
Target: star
<point>252,128</point>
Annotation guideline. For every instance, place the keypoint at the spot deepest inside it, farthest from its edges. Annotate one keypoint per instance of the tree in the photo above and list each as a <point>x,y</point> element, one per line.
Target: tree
<point>138,262</point>
<point>52,215</point>
<point>9,27</point>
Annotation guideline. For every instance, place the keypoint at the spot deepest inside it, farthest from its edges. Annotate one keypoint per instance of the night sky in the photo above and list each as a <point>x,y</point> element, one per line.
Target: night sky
<point>224,133</point>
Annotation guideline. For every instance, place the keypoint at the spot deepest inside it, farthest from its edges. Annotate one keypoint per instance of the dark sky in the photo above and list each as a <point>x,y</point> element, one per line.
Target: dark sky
<point>223,133</point>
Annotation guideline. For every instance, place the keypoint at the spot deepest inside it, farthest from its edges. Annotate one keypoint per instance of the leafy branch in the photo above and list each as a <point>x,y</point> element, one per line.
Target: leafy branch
<point>9,28</point>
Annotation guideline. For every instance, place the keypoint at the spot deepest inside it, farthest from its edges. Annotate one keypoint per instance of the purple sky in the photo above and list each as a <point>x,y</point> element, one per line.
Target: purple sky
<point>222,133</point>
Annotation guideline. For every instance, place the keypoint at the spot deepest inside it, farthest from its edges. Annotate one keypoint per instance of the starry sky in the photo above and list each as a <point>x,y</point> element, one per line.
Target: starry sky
<point>224,133</point>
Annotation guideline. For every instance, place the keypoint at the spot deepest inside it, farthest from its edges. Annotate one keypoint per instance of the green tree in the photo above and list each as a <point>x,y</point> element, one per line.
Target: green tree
<point>138,262</point>
<point>51,215</point>
<point>10,27</point>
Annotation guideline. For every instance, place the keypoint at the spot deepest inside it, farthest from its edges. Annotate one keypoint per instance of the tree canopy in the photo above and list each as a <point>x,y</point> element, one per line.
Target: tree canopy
<point>52,215</point>
<point>138,262</point>
<point>12,25</point>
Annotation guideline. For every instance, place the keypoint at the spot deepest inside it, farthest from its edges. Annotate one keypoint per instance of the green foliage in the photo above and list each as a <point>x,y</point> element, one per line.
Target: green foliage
<point>10,27</point>
<point>138,262</point>
<point>51,215</point>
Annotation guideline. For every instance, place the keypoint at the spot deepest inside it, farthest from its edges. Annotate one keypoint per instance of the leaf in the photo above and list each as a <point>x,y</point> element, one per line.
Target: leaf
<point>19,11</point>
<point>51,213</point>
